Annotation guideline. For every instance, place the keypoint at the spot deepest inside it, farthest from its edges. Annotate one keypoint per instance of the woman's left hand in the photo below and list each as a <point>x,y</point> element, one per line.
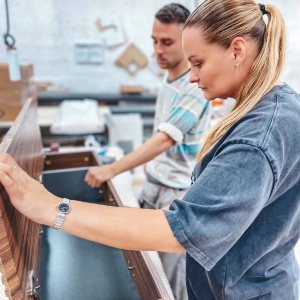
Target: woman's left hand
<point>26,194</point>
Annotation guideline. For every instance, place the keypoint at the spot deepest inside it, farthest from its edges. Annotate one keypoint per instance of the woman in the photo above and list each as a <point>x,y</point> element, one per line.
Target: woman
<point>240,219</point>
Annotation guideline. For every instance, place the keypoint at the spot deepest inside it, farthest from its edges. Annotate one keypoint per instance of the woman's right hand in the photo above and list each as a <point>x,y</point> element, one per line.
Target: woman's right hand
<point>26,194</point>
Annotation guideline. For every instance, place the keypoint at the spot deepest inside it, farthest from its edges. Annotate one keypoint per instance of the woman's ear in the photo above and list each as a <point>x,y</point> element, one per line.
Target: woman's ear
<point>238,48</point>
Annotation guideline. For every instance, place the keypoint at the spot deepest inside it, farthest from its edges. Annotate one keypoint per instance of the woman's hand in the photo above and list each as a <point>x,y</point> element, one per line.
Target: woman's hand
<point>26,194</point>
<point>125,228</point>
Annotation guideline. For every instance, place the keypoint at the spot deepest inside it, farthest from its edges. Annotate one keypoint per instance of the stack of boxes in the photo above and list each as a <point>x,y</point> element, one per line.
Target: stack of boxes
<point>13,94</point>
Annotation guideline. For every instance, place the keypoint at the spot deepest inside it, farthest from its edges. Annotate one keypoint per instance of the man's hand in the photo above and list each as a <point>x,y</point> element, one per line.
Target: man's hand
<point>97,175</point>
<point>154,146</point>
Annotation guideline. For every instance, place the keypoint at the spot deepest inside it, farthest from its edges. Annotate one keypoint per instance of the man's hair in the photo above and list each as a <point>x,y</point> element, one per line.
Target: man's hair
<point>172,13</point>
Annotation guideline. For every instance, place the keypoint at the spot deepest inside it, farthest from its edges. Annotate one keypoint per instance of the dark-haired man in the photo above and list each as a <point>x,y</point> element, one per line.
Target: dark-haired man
<point>182,115</point>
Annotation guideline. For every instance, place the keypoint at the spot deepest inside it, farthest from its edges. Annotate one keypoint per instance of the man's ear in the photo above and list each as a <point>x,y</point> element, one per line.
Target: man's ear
<point>238,48</point>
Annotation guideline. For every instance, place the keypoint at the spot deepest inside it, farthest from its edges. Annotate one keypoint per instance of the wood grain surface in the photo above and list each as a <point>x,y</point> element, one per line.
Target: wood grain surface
<point>19,237</point>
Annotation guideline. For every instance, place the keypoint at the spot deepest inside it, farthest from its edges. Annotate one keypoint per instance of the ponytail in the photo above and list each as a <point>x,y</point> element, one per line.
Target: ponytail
<point>266,69</point>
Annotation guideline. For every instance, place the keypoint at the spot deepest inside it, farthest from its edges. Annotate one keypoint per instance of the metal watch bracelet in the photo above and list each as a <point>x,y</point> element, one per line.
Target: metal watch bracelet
<point>63,208</point>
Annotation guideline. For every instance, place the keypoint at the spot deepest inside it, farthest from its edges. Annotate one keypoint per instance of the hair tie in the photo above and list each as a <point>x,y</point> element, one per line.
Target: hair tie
<point>262,9</point>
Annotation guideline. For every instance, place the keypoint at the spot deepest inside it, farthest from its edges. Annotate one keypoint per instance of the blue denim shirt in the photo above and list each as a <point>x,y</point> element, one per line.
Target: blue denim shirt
<point>240,220</point>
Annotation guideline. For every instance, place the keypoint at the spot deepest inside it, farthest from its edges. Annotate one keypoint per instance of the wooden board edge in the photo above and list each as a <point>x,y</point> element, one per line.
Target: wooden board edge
<point>16,125</point>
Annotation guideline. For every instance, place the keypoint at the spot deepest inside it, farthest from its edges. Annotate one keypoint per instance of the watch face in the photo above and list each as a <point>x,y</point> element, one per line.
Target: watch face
<point>63,208</point>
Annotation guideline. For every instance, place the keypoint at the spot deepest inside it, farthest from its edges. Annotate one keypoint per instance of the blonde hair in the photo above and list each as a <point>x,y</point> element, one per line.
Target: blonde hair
<point>223,20</point>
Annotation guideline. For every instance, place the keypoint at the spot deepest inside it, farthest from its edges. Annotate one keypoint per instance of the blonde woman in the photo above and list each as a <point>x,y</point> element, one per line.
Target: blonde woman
<point>240,219</point>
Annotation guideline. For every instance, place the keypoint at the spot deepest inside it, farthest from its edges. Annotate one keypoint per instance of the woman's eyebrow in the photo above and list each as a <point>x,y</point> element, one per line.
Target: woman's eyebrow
<point>191,57</point>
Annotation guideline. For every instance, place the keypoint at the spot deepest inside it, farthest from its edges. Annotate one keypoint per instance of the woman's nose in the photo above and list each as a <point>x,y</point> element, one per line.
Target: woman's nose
<point>193,77</point>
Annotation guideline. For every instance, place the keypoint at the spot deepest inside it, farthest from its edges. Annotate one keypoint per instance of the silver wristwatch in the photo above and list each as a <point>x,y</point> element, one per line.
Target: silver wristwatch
<point>63,208</point>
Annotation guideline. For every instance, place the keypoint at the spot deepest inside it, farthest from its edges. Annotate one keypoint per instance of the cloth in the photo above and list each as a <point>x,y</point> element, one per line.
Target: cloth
<point>240,220</point>
<point>155,196</point>
<point>2,289</point>
<point>184,114</point>
<point>78,117</point>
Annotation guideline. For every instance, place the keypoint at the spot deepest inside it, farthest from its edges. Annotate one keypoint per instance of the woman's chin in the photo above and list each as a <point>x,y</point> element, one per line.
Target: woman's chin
<point>208,96</point>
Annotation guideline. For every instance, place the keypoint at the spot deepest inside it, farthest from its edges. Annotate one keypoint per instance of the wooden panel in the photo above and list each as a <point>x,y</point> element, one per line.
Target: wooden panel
<point>70,160</point>
<point>141,275</point>
<point>19,237</point>
<point>142,269</point>
<point>8,112</point>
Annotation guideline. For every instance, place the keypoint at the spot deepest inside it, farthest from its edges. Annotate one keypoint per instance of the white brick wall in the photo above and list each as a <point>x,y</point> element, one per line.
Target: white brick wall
<point>46,32</point>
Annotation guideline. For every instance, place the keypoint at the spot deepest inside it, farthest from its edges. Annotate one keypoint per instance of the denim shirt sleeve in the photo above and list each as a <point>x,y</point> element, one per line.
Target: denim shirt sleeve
<point>222,203</point>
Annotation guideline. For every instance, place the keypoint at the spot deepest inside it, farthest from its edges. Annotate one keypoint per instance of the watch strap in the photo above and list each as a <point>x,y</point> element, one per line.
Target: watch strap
<point>58,221</point>
<point>60,216</point>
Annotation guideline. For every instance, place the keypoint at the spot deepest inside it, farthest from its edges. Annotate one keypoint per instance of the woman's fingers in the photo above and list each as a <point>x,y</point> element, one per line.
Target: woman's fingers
<point>10,177</point>
<point>91,178</point>
<point>26,194</point>
<point>8,160</point>
<point>9,170</point>
<point>5,179</point>
<point>10,167</point>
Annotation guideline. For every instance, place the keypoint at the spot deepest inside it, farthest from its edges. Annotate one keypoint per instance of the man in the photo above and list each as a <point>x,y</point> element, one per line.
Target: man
<point>182,115</point>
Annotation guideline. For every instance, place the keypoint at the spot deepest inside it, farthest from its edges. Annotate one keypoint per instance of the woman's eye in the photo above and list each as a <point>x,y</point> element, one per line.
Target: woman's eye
<point>197,65</point>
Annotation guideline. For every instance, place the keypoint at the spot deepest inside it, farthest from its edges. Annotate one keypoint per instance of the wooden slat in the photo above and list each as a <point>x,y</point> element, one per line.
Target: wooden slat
<point>142,270</point>
<point>56,161</point>
<point>19,237</point>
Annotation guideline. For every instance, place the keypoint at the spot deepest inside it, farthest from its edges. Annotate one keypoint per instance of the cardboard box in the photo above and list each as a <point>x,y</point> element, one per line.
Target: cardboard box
<point>9,113</point>
<point>26,71</point>
<point>16,96</point>
<point>13,94</point>
<point>131,89</point>
<point>42,86</point>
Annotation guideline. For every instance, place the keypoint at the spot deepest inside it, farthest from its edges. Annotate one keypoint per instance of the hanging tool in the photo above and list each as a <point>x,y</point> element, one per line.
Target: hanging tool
<point>12,54</point>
